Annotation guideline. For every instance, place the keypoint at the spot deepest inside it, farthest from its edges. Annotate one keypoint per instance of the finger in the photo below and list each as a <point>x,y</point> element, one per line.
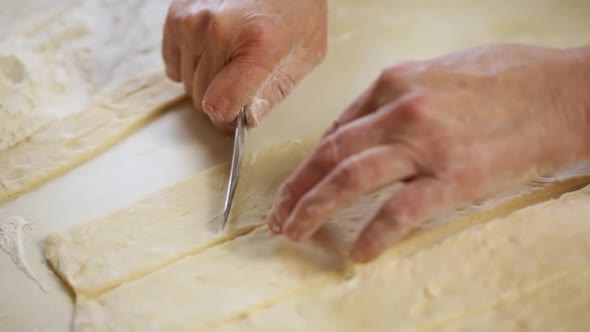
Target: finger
<point>187,70</point>
<point>409,207</point>
<point>234,86</point>
<point>205,72</point>
<point>195,30</point>
<point>365,172</point>
<point>347,141</point>
<point>201,80</point>
<point>360,107</point>
<point>171,56</point>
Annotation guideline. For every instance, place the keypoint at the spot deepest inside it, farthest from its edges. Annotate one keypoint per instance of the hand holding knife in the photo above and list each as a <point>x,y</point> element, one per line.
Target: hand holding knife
<point>236,162</point>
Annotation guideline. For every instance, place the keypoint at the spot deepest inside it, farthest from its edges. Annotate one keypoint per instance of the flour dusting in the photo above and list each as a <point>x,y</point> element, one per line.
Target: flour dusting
<point>11,241</point>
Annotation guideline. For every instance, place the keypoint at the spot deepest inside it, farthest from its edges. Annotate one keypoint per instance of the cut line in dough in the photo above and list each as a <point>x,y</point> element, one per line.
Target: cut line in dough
<point>255,272</point>
<point>168,225</point>
<point>508,275</point>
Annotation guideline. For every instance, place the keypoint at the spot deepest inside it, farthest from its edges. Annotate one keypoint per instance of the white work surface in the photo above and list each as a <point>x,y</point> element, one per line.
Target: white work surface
<point>182,143</point>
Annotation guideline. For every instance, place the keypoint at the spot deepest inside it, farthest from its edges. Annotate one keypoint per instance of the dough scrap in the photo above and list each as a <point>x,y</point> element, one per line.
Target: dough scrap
<point>527,272</point>
<point>74,80</point>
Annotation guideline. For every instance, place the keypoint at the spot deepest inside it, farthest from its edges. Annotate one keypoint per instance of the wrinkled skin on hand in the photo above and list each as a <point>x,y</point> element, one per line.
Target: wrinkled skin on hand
<point>230,54</point>
<point>454,129</point>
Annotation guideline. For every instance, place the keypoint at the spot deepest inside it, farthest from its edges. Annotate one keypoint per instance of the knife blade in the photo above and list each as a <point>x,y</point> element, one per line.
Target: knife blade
<point>236,162</point>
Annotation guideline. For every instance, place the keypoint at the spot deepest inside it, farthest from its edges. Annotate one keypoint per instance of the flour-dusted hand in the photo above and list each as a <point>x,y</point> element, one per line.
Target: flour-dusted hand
<point>453,129</point>
<point>230,54</point>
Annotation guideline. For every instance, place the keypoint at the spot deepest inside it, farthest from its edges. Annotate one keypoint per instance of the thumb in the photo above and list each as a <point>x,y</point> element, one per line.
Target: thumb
<point>236,85</point>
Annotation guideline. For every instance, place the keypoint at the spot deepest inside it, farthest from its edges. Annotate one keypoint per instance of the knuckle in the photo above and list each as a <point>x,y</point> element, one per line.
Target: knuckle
<point>329,150</point>
<point>391,83</point>
<point>307,209</point>
<point>415,108</point>
<point>190,24</point>
<point>394,75</point>
<point>386,79</point>
<point>396,214</point>
<point>338,123</point>
<point>462,176</point>
<point>259,30</point>
<point>349,174</point>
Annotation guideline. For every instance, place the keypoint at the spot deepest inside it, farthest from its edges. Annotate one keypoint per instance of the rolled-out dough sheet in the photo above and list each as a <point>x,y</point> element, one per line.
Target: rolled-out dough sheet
<point>173,223</point>
<point>527,272</point>
<point>170,244</point>
<point>561,304</point>
<point>254,270</point>
<point>76,77</point>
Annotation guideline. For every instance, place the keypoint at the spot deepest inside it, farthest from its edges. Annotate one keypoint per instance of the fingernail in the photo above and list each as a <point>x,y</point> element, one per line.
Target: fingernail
<point>275,227</point>
<point>273,223</point>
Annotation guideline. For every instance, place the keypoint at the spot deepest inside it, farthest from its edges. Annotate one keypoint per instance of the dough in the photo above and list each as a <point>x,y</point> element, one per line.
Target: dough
<point>561,304</point>
<point>252,271</point>
<point>166,256</point>
<point>66,91</point>
<point>527,272</point>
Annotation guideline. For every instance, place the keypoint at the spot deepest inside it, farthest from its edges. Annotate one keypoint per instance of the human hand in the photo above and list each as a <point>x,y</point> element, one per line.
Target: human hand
<point>454,129</point>
<point>230,54</point>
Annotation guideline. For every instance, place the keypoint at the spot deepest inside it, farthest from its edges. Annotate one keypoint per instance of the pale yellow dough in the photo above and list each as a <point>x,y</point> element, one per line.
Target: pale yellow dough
<point>74,79</point>
<point>176,222</point>
<point>168,260</point>
<point>527,272</point>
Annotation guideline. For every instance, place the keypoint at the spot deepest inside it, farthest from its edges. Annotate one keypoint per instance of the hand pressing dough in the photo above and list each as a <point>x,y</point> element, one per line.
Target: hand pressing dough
<point>527,272</point>
<point>74,80</point>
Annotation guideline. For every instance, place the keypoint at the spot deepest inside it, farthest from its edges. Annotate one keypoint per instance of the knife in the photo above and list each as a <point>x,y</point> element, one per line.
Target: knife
<point>236,162</point>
